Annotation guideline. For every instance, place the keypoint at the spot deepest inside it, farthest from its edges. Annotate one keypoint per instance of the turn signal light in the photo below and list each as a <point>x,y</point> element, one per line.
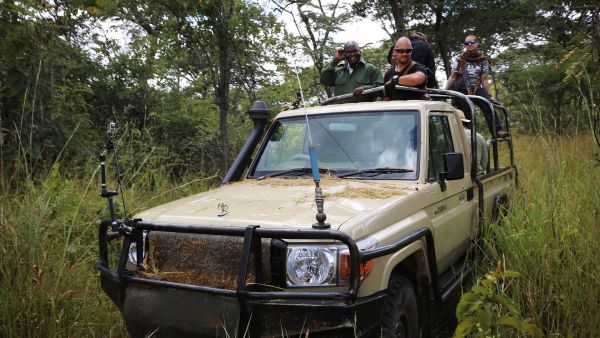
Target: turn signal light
<point>364,270</point>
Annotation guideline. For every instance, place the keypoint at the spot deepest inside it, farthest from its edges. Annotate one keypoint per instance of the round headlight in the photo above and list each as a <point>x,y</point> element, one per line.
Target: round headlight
<point>311,266</point>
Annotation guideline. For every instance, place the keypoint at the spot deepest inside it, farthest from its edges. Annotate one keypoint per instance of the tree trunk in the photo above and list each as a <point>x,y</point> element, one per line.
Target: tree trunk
<point>223,96</point>
<point>398,14</point>
<point>596,23</point>
<point>441,38</point>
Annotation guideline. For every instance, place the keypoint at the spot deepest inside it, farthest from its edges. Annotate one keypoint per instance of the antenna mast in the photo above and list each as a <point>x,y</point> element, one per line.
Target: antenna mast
<point>312,152</point>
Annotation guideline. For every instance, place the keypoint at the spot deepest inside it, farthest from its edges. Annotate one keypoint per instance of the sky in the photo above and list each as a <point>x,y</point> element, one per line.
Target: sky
<point>364,32</point>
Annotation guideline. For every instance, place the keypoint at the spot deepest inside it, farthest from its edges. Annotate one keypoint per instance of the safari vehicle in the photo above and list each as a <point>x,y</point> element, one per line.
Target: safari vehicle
<point>398,205</point>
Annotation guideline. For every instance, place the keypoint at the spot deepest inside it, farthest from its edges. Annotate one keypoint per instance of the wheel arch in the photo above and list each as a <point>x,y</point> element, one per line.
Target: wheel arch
<point>413,265</point>
<point>411,262</point>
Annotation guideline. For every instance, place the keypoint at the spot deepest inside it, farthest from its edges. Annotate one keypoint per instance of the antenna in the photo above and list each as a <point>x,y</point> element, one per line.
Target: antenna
<point>312,152</point>
<point>104,191</point>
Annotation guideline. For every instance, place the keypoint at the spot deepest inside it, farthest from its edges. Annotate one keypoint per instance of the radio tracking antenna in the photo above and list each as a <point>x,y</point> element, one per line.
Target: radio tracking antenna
<point>312,152</point>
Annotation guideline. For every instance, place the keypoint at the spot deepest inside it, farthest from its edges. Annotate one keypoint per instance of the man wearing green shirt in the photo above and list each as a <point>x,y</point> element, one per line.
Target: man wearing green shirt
<point>349,73</point>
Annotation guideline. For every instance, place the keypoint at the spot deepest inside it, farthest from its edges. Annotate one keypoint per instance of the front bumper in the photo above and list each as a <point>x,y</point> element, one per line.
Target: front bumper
<point>168,311</point>
<point>158,308</point>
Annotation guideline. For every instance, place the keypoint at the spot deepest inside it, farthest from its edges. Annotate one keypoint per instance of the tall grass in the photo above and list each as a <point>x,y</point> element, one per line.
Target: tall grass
<point>48,245</point>
<point>551,235</point>
<point>49,286</point>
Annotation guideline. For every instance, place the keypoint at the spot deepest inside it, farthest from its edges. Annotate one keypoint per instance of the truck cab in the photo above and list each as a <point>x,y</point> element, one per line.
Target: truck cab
<point>347,219</point>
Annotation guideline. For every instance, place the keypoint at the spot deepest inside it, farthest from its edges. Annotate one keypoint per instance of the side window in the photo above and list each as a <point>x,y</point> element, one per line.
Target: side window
<point>440,142</point>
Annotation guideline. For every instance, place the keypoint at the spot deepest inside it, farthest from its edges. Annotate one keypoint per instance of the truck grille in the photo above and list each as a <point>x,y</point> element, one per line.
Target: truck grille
<point>206,260</point>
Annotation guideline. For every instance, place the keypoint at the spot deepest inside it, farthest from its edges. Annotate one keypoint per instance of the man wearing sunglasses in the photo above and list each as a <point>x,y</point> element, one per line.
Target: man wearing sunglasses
<point>352,76</point>
<point>406,72</point>
<point>469,75</point>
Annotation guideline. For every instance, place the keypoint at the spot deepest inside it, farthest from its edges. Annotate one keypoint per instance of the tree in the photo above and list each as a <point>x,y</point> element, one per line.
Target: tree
<point>223,44</point>
<point>555,68</point>
<point>314,28</point>
<point>447,22</point>
<point>45,81</point>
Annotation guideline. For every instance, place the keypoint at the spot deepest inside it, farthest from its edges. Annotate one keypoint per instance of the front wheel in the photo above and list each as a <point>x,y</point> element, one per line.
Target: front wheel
<point>400,314</point>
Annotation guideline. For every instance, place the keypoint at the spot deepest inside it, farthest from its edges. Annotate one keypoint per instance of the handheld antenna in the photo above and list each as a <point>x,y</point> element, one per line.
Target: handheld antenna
<point>312,152</point>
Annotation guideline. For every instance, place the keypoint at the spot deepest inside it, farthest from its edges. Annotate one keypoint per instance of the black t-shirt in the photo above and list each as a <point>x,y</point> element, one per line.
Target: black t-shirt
<point>403,95</point>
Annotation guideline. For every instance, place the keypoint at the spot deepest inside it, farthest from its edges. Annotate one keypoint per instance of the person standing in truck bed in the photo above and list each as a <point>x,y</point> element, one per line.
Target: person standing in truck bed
<point>407,72</point>
<point>423,54</point>
<point>349,73</point>
<point>469,75</point>
<point>482,150</point>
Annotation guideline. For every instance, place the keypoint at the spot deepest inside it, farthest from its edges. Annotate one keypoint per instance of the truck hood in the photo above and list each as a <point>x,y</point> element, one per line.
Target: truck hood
<point>280,203</point>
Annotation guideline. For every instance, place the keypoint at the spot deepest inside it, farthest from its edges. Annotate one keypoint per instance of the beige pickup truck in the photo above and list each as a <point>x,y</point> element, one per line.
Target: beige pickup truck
<point>381,238</point>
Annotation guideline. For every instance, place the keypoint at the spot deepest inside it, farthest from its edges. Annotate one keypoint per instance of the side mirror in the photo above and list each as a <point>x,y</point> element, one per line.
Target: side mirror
<point>454,166</point>
<point>454,169</point>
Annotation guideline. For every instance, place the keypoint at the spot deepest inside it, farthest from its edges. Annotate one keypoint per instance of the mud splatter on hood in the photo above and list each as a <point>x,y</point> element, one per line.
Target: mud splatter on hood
<point>280,203</point>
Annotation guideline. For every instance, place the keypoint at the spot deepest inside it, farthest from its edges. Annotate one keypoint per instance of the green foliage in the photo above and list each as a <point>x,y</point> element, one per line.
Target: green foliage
<point>48,283</point>
<point>550,88</point>
<point>44,88</point>
<point>487,311</point>
<point>315,24</point>
<point>550,235</point>
<point>186,74</point>
<point>47,280</point>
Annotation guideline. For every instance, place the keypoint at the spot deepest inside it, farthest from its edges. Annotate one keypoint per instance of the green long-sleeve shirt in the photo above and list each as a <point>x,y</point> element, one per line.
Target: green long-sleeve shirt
<point>336,74</point>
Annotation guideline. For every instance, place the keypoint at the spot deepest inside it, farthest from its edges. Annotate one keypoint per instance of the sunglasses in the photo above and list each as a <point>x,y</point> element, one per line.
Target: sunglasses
<point>403,51</point>
<point>470,42</point>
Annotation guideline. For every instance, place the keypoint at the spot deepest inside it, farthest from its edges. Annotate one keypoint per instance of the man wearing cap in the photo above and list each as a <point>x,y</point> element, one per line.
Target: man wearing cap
<point>482,151</point>
<point>349,73</point>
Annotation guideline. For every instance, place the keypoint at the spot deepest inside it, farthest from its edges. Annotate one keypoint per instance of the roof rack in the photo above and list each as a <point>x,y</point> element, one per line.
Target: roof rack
<point>372,94</point>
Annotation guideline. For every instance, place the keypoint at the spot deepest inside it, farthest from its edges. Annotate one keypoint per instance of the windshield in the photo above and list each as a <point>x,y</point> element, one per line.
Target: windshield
<point>374,145</point>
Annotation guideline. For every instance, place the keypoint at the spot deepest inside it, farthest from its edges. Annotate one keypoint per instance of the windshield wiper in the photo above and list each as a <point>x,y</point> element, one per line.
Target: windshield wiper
<point>303,170</point>
<point>376,171</point>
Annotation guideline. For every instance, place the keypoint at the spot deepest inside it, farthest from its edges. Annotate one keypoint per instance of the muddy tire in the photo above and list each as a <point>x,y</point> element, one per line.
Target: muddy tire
<point>400,312</point>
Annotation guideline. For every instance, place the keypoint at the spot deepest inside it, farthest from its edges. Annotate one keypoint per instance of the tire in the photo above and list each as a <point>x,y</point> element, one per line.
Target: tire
<point>400,312</point>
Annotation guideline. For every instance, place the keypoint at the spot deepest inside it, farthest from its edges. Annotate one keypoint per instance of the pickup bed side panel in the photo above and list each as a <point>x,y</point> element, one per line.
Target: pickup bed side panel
<point>495,185</point>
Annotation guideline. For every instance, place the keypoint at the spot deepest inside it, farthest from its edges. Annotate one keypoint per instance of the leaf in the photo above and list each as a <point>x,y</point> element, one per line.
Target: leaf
<point>508,304</point>
<point>532,329</point>
<point>484,317</point>
<point>509,321</point>
<point>480,290</point>
<point>510,273</point>
<point>465,327</point>
<point>468,303</point>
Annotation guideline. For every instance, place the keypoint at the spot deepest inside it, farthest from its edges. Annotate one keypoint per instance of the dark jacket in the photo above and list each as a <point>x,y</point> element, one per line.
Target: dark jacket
<point>423,54</point>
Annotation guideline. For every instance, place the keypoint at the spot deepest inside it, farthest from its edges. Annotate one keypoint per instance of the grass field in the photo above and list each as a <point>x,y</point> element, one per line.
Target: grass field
<point>50,288</point>
<point>551,235</point>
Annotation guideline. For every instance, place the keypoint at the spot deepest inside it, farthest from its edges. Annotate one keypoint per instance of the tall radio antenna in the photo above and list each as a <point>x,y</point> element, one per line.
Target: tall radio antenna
<point>312,152</point>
